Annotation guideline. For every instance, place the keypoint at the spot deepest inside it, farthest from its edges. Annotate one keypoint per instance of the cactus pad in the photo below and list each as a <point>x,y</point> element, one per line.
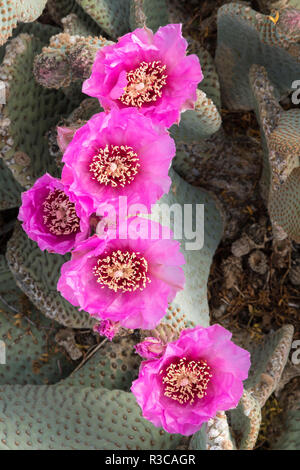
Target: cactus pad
<point>71,16</point>
<point>67,59</point>
<point>77,26</point>
<point>13,11</point>
<point>111,15</point>
<point>269,5</point>
<point>10,189</point>
<point>114,367</point>
<point>30,111</point>
<point>246,37</point>
<point>199,123</point>
<point>77,414</point>
<point>267,363</point>
<point>245,421</point>
<point>290,435</point>
<point>210,83</point>
<point>215,435</point>
<point>32,356</point>
<point>192,300</point>
<point>281,173</point>
<point>36,273</point>
<point>152,13</point>
<point>75,418</point>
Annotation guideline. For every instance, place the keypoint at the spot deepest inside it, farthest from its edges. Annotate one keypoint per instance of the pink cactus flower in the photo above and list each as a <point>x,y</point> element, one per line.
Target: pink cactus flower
<point>198,375</point>
<point>52,216</point>
<point>118,154</point>
<point>150,348</point>
<point>148,71</point>
<point>129,280</point>
<point>107,328</point>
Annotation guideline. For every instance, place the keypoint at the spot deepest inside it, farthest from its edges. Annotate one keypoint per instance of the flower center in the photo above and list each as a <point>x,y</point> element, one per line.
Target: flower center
<point>122,271</point>
<point>144,84</point>
<point>115,165</point>
<point>59,214</point>
<point>186,380</point>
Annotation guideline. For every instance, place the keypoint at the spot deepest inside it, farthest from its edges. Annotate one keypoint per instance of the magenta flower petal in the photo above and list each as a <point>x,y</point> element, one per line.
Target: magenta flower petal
<point>107,328</point>
<point>52,216</point>
<point>150,348</point>
<point>123,280</point>
<point>199,374</point>
<point>118,154</point>
<point>148,71</point>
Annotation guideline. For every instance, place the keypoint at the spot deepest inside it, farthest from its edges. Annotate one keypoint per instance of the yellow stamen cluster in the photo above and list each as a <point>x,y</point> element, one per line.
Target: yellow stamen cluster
<point>186,380</point>
<point>145,84</point>
<point>115,165</point>
<point>122,271</point>
<point>59,214</point>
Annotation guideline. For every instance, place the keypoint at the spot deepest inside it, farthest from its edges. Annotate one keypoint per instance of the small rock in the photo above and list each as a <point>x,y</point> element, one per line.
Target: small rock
<point>242,246</point>
<point>258,262</point>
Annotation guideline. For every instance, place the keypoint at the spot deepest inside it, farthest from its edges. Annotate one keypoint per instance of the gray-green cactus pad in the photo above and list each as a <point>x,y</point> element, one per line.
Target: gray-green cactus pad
<point>285,206</point>
<point>75,25</point>
<point>114,367</point>
<point>268,360</point>
<point>267,363</point>
<point>280,181</point>
<point>10,189</point>
<point>246,37</point>
<point>213,435</point>
<point>152,13</point>
<point>13,11</point>
<point>192,300</point>
<point>79,413</point>
<point>199,123</point>
<point>28,114</point>
<point>290,435</point>
<point>245,421</point>
<point>111,15</point>
<point>36,272</point>
<point>210,83</point>
<point>32,357</point>
<point>269,5</point>
<point>205,120</point>
<point>66,60</point>
<point>75,418</point>
<point>77,20</point>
